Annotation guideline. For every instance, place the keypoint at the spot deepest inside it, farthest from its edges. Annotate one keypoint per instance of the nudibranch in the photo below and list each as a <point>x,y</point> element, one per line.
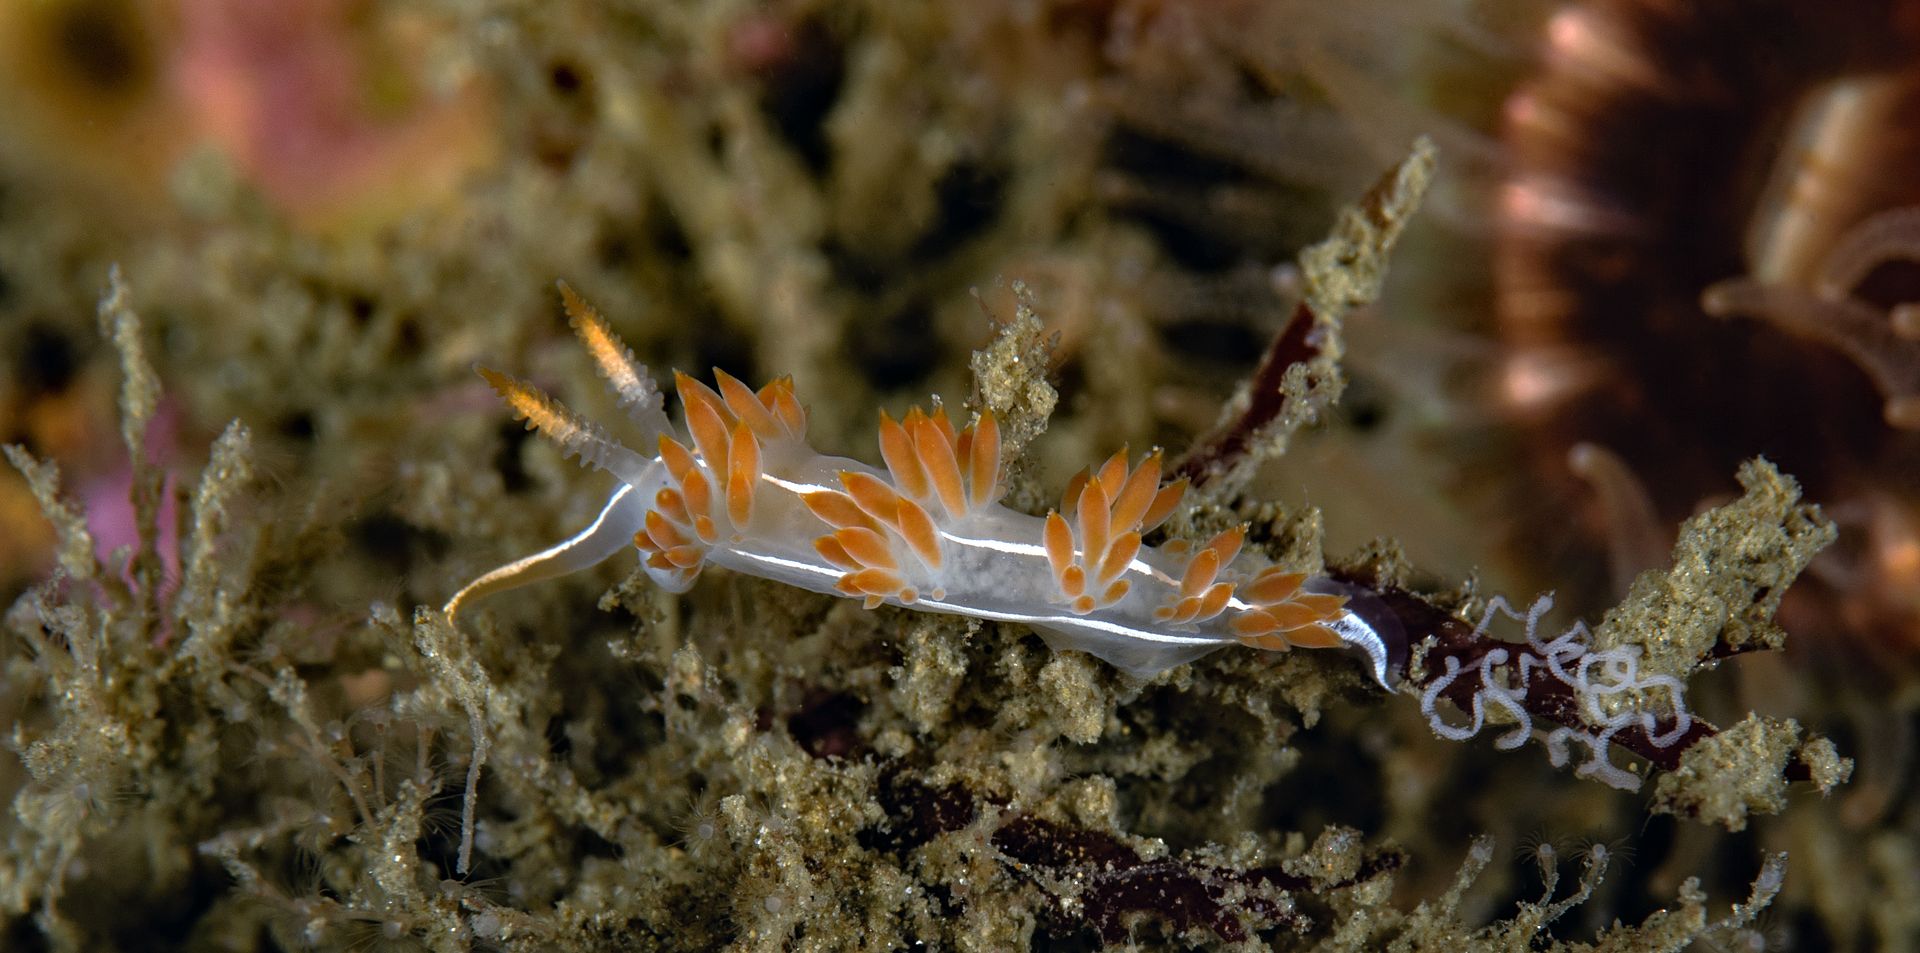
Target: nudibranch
<point>741,489</point>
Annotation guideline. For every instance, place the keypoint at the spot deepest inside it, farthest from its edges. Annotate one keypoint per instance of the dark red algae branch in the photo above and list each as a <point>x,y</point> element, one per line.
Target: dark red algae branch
<point>1298,344</point>
<point>1101,882</point>
<point>1112,882</point>
<point>1299,376</point>
<point>1448,643</point>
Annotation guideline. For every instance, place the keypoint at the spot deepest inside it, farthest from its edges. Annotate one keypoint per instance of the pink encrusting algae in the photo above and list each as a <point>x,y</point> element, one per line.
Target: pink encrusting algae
<point>317,105</point>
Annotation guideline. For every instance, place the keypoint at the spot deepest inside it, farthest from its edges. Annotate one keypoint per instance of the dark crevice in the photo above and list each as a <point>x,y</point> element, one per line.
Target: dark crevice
<point>1214,342</point>
<point>900,350</point>
<point>799,91</point>
<point>47,361</point>
<point>513,471</point>
<point>566,79</point>
<point>298,425</point>
<point>396,545</point>
<point>101,43</point>
<point>969,199</point>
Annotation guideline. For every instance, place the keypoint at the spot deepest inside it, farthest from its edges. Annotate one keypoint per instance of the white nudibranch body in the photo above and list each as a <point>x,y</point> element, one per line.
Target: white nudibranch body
<point>742,490</point>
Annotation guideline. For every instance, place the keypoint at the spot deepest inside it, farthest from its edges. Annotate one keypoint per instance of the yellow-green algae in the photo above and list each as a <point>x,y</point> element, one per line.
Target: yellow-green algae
<point>781,849</point>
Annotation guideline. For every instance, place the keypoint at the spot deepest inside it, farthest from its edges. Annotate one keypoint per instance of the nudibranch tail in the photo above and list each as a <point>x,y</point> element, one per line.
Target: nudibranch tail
<point>608,534</point>
<point>739,488</point>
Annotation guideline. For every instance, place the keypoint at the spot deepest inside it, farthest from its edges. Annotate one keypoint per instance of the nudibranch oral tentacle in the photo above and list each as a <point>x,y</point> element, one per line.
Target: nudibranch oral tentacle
<point>739,488</point>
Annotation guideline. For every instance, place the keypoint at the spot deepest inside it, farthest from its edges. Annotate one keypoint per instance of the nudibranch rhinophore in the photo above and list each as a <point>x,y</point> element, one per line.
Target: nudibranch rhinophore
<point>741,489</point>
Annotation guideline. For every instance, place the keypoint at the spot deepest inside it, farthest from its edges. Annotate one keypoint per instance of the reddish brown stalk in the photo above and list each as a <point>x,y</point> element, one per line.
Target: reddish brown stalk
<point>1216,453</point>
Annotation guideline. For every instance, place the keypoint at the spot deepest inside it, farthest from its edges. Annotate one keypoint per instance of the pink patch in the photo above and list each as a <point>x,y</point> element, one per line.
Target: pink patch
<point>109,507</point>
